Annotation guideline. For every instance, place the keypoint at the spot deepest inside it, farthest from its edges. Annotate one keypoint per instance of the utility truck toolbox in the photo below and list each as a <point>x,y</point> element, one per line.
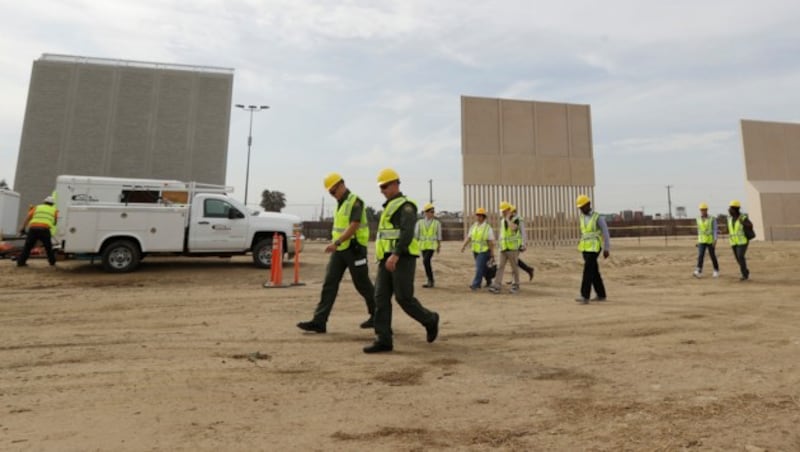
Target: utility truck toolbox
<point>124,220</point>
<point>9,211</point>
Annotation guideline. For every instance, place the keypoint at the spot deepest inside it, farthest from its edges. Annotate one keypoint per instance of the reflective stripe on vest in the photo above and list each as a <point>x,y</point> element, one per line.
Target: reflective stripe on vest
<point>479,235</point>
<point>705,232</point>
<point>509,240</point>
<point>43,216</point>
<point>736,231</point>
<point>590,234</point>
<point>341,221</point>
<point>428,235</point>
<point>388,234</point>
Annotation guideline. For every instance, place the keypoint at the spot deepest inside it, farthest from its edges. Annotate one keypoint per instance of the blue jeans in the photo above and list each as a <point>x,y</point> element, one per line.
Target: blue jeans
<point>701,254</point>
<point>480,268</point>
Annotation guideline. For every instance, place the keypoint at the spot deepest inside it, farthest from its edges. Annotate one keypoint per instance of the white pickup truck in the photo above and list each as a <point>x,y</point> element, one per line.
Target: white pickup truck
<point>123,220</point>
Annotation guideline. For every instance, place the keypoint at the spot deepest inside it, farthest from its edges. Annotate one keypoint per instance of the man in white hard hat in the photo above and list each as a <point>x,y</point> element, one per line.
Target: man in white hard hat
<point>38,224</point>
<point>428,232</point>
<point>594,239</point>
<point>706,240</point>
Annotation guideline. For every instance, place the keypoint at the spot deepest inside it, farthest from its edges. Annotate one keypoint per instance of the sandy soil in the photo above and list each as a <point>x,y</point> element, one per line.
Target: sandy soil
<point>193,354</point>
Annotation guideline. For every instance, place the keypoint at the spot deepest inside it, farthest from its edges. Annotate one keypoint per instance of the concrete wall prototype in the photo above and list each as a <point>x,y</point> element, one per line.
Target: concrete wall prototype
<point>772,167</point>
<point>535,155</point>
<point>100,117</point>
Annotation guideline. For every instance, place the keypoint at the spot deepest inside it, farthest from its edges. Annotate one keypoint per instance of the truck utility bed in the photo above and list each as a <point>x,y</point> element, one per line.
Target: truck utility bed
<point>159,228</point>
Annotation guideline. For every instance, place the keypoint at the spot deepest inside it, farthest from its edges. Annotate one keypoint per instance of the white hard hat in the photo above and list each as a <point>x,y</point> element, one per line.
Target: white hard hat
<point>49,200</point>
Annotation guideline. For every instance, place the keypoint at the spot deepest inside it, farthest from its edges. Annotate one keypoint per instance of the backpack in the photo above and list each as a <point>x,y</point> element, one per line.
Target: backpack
<point>749,232</point>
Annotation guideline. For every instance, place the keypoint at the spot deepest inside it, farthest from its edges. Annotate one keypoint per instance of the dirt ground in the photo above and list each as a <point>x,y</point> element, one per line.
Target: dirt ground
<point>193,354</point>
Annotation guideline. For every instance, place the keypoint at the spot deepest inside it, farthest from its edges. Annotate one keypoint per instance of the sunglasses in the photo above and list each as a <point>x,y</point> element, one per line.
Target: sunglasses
<point>385,186</point>
<point>333,189</point>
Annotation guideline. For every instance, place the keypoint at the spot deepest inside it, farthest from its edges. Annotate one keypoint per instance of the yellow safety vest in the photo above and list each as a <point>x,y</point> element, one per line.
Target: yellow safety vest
<point>736,231</point>
<point>341,221</point>
<point>43,216</point>
<point>479,236</point>
<point>705,232</point>
<point>509,240</point>
<point>388,234</point>
<point>590,234</point>
<point>428,235</point>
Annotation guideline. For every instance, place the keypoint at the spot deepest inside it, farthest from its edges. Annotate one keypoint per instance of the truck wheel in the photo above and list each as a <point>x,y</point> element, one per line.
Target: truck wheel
<point>121,256</point>
<point>262,253</point>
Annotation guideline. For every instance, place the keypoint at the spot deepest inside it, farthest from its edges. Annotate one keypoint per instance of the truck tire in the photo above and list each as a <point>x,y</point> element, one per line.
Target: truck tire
<point>262,253</point>
<point>121,256</point>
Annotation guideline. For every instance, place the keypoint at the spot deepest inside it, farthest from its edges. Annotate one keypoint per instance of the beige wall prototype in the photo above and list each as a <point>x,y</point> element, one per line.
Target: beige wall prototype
<point>535,155</point>
<point>103,117</point>
<point>772,167</point>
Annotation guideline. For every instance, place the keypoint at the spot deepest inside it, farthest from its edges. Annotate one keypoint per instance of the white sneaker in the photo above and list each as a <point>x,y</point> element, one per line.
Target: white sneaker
<point>715,275</point>
<point>696,273</point>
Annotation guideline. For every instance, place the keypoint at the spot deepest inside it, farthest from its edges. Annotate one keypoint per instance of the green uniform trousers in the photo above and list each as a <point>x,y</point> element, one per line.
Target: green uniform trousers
<point>340,261</point>
<point>399,283</point>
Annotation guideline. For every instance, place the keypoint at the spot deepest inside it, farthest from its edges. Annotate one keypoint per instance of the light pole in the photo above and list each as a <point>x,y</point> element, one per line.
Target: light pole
<point>669,202</point>
<point>252,109</point>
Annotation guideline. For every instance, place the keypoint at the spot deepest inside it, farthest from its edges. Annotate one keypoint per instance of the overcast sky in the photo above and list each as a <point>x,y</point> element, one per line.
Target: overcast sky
<point>355,86</point>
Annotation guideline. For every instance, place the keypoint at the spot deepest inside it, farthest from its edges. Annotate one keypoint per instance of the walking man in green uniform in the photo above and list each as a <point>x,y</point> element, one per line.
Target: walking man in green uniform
<point>428,232</point>
<point>397,251</point>
<point>348,251</point>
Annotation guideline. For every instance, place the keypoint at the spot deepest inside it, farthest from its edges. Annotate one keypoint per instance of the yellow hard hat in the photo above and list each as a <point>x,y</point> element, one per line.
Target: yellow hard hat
<point>387,175</point>
<point>703,206</point>
<point>427,207</point>
<point>512,207</point>
<point>331,180</point>
<point>504,205</point>
<point>582,201</point>
<point>735,203</point>
<point>480,211</point>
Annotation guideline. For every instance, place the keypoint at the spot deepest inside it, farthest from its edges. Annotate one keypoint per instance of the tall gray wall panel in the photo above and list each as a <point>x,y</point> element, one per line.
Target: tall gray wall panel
<point>87,124</point>
<point>124,119</point>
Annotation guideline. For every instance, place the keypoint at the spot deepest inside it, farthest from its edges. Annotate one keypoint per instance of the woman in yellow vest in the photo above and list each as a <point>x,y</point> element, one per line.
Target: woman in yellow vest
<point>739,226</point>
<point>41,219</point>
<point>481,236</point>
<point>428,232</point>
<point>706,240</point>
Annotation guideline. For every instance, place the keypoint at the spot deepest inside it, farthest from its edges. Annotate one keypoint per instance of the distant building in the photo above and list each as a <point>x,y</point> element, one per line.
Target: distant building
<point>680,212</point>
<point>627,215</point>
<point>107,117</point>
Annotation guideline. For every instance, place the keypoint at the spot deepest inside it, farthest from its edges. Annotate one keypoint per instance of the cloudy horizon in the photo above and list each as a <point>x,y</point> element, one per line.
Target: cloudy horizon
<point>354,86</point>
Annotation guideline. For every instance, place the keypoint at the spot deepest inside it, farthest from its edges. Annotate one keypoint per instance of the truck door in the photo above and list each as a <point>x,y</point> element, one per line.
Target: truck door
<point>216,225</point>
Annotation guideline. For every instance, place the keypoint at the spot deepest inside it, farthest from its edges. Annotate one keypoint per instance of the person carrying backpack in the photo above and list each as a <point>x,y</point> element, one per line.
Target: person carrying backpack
<point>740,232</point>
